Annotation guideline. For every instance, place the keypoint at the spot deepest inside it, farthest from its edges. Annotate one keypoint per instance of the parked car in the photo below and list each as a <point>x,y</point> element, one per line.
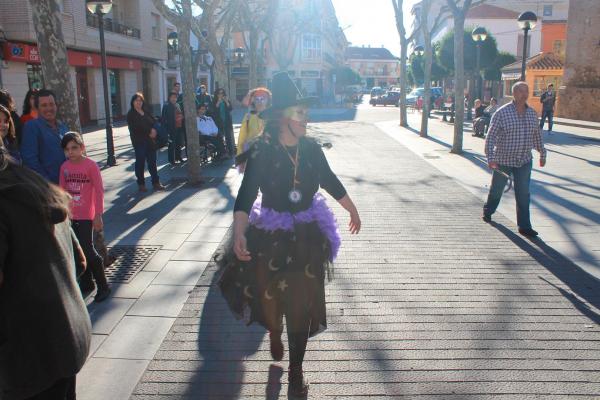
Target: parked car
<point>376,91</point>
<point>413,96</point>
<point>388,99</point>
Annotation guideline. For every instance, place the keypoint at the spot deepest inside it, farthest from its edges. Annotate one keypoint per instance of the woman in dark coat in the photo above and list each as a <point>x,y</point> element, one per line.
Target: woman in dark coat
<point>143,137</point>
<point>220,112</point>
<point>285,241</point>
<point>45,329</point>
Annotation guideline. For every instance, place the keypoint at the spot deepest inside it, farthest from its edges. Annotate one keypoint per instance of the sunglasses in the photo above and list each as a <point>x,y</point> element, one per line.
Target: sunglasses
<point>260,99</point>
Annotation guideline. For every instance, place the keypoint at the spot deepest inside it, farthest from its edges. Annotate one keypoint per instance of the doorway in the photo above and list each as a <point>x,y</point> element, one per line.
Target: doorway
<point>82,96</point>
<point>115,93</point>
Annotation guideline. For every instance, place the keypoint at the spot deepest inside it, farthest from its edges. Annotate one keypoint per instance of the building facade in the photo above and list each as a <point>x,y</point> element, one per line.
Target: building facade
<point>309,45</point>
<point>376,66</point>
<point>579,97</point>
<point>136,48</point>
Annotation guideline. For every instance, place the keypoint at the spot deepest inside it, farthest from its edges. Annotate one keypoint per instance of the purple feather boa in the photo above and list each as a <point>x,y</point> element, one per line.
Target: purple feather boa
<point>270,220</point>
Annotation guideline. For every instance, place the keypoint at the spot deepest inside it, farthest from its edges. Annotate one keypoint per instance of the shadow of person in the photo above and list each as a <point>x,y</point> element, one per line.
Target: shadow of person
<point>583,287</point>
<point>224,345</point>
<point>274,382</point>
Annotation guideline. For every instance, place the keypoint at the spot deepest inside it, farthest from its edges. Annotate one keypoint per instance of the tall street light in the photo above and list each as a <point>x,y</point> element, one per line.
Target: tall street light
<point>100,8</point>
<point>526,21</point>
<point>479,36</point>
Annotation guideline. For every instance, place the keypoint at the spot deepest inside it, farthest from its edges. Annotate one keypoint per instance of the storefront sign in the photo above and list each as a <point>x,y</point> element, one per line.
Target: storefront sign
<point>29,54</point>
<point>22,53</point>
<point>511,76</point>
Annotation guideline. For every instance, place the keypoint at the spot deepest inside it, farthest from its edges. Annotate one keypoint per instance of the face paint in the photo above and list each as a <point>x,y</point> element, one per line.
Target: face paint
<point>297,114</point>
<point>260,99</point>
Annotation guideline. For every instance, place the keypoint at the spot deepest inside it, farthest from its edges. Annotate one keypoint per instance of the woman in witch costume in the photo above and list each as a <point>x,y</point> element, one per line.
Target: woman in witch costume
<point>285,240</point>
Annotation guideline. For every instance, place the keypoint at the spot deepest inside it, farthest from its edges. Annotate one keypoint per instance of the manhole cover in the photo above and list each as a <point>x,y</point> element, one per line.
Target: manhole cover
<point>430,156</point>
<point>129,260</point>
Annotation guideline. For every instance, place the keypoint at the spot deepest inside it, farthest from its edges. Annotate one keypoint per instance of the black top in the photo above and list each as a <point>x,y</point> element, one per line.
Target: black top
<point>45,329</point>
<point>139,126</point>
<point>479,111</point>
<point>270,169</point>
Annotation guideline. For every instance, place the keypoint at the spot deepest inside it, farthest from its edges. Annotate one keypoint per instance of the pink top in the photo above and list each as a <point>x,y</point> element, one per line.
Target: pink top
<point>83,182</point>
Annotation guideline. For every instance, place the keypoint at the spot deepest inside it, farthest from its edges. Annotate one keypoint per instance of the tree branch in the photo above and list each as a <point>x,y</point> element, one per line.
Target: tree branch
<point>172,16</point>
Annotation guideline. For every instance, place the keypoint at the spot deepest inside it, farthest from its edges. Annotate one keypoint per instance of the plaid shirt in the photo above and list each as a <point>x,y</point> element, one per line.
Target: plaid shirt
<point>512,136</point>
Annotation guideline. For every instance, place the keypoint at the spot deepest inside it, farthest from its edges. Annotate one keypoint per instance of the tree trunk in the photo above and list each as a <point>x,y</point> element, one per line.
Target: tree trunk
<point>253,64</point>
<point>402,102</point>
<point>459,83</point>
<point>47,21</point>
<point>426,80</point>
<point>189,99</point>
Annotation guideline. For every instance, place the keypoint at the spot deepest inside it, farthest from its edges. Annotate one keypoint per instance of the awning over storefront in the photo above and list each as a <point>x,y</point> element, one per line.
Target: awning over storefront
<point>27,53</point>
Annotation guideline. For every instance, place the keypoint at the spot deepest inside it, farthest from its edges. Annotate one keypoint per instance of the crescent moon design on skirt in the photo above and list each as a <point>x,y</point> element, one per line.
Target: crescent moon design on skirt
<point>247,293</point>
<point>308,273</point>
<point>271,267</point>
<point>267,295</point>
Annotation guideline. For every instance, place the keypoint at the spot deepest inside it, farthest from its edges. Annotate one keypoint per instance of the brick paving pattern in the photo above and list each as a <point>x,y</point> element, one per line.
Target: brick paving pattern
<point>427,302</point>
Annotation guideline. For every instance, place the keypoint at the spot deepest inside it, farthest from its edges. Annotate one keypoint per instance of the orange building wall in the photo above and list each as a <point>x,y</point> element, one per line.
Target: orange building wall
<point>552,32</point>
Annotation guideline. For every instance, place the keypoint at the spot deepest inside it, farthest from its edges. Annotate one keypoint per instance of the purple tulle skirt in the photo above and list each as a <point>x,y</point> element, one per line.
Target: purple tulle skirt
<point>270,220</point>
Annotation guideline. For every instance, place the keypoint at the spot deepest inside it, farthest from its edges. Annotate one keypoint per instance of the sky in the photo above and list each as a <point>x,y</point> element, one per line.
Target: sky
<point>371,22</point>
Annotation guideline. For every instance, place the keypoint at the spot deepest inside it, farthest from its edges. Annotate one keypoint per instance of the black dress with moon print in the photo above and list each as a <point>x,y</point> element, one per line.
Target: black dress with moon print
<point>286,275</point>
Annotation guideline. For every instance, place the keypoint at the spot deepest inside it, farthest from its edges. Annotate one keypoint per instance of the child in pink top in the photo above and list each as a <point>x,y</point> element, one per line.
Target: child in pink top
<point>81,178</point>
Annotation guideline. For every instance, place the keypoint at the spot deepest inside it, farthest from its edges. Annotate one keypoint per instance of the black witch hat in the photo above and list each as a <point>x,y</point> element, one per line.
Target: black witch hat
<point>285,94</point>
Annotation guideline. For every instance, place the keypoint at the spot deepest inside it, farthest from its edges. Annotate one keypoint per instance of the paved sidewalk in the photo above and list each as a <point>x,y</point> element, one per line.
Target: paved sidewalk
<point>565,200</point>
<point>187,223</point>
<point>427,302</point>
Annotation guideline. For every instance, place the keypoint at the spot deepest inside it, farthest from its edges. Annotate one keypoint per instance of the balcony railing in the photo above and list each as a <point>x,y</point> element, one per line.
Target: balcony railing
<point>112,26</point>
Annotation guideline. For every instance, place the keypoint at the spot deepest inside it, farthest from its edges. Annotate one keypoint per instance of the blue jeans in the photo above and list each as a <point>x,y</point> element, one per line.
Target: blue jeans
<point>521,178</point>
<point>547,114</point>
<point>145,153</point>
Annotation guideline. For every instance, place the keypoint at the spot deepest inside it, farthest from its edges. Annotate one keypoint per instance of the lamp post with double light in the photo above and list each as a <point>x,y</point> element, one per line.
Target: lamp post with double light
<point>479,36</point>
<point>527,22</point>
<point>101,8</point>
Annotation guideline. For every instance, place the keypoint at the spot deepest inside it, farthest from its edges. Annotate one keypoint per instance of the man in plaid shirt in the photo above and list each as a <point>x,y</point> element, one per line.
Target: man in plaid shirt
<point>514,131</point>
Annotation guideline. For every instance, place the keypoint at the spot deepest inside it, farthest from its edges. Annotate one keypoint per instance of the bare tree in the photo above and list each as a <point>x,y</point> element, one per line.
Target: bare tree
<point>213,28</point>
<point>405,40</point>
<point>459,14</point>
<point>427,34</point>
<point>255,21</point>
<point>181,16</point>
<point>283,38</point>
<point>47,21</point>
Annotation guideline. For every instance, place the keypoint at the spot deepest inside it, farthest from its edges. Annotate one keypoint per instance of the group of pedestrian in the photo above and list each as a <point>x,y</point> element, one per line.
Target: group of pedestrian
<point>51,195</point>
<point>483,116</point>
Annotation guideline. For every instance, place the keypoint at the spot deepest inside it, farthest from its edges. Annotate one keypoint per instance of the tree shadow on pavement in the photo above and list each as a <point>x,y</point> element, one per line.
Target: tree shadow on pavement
<point>584,288</point>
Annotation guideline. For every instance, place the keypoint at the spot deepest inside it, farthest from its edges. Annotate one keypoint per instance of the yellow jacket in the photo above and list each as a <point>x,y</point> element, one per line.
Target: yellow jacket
<point>252,126</point>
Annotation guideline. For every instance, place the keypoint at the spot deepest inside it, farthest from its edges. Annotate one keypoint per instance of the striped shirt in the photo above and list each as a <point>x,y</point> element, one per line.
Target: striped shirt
<point>511,136</point>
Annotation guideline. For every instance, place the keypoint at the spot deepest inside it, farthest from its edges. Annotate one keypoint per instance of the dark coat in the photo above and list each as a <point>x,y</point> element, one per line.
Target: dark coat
<point>225,126</point>
<point>140,126</point>
<point>45,329</point>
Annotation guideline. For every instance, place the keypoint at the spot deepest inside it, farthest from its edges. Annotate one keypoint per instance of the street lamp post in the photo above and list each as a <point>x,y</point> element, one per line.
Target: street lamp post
<point>526,21</point>
<point>100,8</point>
<point>479,35</point>
<point>228,65</point>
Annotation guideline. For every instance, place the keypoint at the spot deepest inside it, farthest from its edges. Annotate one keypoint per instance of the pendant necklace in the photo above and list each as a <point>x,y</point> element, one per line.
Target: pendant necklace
<point>295,195</point>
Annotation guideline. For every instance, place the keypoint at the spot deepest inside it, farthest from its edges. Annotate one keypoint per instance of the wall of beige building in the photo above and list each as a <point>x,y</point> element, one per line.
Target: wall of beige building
<point>579,97</point>
<point>149,50</point>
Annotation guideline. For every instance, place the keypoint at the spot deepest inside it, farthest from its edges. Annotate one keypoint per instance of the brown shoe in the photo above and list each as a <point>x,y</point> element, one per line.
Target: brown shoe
<point>297,385</point>
<point>276,345</point>
<point>158,187</point>
<point>142,188</point>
